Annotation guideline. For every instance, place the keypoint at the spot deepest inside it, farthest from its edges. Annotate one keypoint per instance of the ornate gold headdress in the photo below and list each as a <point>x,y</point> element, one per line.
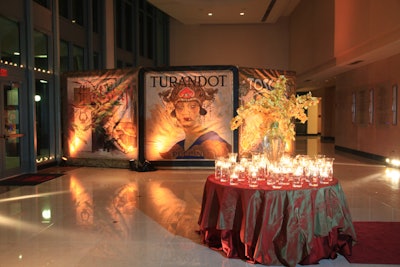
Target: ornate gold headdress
<point>188,90</point>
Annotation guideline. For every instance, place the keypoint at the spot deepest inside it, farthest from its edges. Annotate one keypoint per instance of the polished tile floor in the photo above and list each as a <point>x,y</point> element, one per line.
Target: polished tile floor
<point>116,217</point>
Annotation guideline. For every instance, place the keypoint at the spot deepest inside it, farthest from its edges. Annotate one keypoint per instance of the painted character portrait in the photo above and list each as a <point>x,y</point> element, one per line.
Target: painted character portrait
<point>188,100</point>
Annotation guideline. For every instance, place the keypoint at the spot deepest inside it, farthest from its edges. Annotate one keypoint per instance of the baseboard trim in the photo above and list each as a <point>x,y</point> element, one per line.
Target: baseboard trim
<point>361,153</point>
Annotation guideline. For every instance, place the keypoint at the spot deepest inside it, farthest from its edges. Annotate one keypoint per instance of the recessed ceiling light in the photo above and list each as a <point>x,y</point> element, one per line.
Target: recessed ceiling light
<point>241,13</point>
<point>210,14</point>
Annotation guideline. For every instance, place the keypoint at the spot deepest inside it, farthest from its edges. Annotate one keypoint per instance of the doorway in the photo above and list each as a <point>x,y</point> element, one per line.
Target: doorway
<point>10,135</point>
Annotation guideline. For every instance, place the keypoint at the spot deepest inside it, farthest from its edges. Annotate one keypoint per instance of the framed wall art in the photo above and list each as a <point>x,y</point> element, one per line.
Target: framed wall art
<point>353,107</point>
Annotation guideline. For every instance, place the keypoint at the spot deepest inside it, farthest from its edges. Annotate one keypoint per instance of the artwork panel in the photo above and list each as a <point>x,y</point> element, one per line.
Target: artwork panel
<point>252,80</point>
<point>102,115</point>
<point>164,129</point>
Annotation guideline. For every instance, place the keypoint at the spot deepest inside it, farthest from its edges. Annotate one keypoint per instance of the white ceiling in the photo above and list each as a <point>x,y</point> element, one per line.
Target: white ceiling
<point>264,11</point>
<point>226,11</point>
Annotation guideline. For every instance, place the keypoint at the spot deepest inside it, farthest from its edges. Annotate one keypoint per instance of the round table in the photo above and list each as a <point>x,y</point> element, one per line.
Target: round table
<point>276,226</point>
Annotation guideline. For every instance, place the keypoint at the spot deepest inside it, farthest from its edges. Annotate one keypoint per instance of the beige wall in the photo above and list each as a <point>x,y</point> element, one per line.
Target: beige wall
<point>379,137</point>
<point>254,45</point>
<point>312,36</point>
<point>362,26</point>
<point>365,28</point>
<point>319,37</point>
<point>328,35</point>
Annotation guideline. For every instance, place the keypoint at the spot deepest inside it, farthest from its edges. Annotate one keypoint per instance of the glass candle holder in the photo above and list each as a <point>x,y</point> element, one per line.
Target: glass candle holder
<point>218,168</point>
<point>252,176</point>
<point>234,178</point>
<point>326,171</point>
<point>274,175</point>
<point>232,157</point>
<point>225,171</point>
<point>241,172</point>
<point>297,180</point>
<point>313,174</point>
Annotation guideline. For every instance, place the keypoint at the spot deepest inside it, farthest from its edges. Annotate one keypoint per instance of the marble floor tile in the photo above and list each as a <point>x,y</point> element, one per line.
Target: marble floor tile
<point>116,217</point>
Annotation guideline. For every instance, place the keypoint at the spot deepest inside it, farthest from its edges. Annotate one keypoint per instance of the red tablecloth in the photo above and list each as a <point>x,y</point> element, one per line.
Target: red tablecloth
<point>276,227</point>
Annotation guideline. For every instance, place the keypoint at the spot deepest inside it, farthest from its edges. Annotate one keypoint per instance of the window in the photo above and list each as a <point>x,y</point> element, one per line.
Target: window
<point>74,10</point>
<point>41,50</point>
<point>142,36</point>
<point>150,31</point>
<point>77,55</point>
<point>161,43</point>
<point>124,24</point>
<point>147,30</point>
<point>64,56</point>
<point>63,8</point>
<point>128,27</point>
<point>78,11</point>
<point>96,15</point>
<point>42,102</point>
<point>118,23</point>
<point>142,29</point>
<point>96,60</point>
<point>9,41</point>
<point>42,2</point>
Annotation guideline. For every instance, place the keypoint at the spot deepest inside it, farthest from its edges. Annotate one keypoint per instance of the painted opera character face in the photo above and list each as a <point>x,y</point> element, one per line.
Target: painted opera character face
<point>188,98</point>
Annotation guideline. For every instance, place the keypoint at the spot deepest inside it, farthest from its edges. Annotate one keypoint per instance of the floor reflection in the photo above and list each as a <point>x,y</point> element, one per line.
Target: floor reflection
<point>116,217</point>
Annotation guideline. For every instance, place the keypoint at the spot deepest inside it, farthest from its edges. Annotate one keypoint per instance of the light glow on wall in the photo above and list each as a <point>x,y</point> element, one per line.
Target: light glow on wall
<point>75,145</point>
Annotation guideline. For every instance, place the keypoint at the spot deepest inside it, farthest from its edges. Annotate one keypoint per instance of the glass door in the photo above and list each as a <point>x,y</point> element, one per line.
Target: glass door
<point>10,135</point>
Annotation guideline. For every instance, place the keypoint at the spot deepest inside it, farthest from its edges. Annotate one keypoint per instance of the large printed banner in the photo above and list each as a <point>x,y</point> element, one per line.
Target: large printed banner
<point>252,80</point>
<point>165,115</point>
<point>102,119</point>
<point>187,114</point>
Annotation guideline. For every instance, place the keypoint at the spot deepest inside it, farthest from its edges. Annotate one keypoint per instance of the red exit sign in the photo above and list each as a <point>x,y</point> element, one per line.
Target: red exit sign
<point>3,72</point>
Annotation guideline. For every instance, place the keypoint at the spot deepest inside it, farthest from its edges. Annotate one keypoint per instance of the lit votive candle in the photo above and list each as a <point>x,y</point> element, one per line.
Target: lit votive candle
<point>297,177</point>
<point>253,180</point>
<point>232,157</point>
<point>234,178</point>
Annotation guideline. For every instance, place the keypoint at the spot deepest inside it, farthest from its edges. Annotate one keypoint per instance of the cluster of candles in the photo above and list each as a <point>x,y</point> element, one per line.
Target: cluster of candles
<point>286,172</point>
